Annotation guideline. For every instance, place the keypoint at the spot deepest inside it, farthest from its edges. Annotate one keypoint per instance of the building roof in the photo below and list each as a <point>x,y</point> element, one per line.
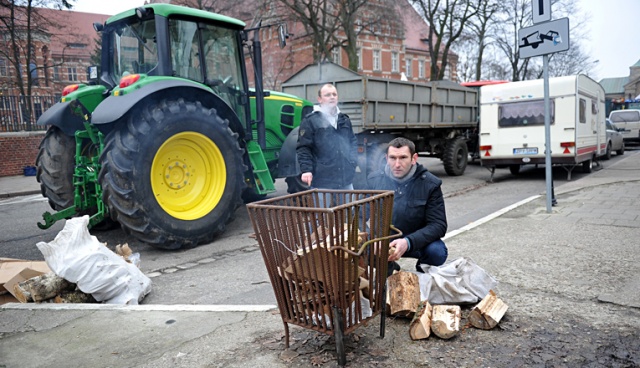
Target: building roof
<point>614,85</point>
<point>78,29</point>
<point>416,29</point>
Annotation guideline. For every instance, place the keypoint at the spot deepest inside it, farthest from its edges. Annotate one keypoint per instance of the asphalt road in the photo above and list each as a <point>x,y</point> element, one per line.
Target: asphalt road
<point>230,270</point>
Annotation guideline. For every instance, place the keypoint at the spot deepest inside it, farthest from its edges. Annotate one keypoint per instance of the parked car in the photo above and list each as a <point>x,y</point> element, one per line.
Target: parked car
<point>628,122</point>
<point>615,141</point>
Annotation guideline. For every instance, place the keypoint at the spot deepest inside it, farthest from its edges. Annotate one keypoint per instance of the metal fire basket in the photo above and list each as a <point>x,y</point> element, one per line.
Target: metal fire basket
<point>326,254</point>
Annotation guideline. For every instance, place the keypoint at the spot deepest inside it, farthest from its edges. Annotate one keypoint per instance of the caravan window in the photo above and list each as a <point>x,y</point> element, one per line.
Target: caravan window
<point>583,111</point>
<point>524,113</point>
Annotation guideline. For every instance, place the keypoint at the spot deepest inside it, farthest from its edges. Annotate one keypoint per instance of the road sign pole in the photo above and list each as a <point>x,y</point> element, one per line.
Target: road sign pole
<point>547,132</point>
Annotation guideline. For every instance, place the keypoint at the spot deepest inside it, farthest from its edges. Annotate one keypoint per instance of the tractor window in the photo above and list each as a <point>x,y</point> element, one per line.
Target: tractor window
<point>185,56</point>
<point>217,64</point>
<point>134,49</point>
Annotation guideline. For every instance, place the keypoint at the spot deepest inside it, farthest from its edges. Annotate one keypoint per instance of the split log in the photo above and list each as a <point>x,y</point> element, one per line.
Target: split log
<point>75,296</point>
<point>488,313</point>
<point>23,295</point>
<point>420,327</point>
<point>404,294</point>
<point>445,321</point>
<point>44,287</point>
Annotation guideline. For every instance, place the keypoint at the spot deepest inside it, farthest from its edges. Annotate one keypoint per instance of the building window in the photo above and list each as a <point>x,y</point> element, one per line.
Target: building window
<point>420,69</point>
<point>33,70</point>
<point>395,67</point>
<point>72,74</point>
<point>408,63</point>
<point>4,72</point>
<point>376,60</point>
<point>447,72</point>
<point>359,53</point>
<point>336,55</point>
<point>56,73</point>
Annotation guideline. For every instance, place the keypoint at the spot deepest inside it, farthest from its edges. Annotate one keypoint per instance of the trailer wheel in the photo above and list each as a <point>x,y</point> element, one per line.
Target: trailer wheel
<point>295,184</point>
<point>173,174</point>
<point>55,163</point>
<point>455,156</point>
<point>514,169</point>
<point>587,166</point>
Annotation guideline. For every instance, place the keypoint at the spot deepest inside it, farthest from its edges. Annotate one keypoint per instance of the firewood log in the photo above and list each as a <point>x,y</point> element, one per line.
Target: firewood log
<point>488,313</point>
<point>445,321</point>
<point>404,294</point>
<point>45,286</point>
<point>75,296</point>
<point>420,327</point>
<point>23,295</point>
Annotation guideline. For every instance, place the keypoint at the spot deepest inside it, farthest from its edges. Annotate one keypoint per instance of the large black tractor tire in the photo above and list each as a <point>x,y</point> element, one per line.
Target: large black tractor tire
<point>173,174</point>
<point>55,164</point>
<point>455,156</point>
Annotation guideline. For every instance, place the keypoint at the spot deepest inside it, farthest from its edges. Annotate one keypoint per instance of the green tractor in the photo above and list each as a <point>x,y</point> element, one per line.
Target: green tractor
<point>171,139</point>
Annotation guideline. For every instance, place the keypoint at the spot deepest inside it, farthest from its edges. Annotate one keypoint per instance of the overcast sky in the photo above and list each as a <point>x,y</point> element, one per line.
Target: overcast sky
<point>612,25</point>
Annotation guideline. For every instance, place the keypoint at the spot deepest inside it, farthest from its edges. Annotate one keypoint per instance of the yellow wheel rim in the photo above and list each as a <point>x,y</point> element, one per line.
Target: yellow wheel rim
<point>188,176</point>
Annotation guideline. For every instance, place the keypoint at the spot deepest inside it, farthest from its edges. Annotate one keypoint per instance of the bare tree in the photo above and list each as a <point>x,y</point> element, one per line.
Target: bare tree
<point>515,15</point>
<point>317,22</point>
<point>480,27</point>
<point>225,7</point>
<point>23,23</point>
<point>446,19</point>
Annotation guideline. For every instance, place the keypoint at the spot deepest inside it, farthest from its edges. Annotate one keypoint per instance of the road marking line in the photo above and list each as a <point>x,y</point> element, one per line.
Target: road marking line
<point>488,217</point>
<point>143,307</point>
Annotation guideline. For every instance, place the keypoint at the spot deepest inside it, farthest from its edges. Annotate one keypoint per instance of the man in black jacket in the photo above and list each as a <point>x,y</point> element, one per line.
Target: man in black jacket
<point>327,147</point>
<point>418,206</point>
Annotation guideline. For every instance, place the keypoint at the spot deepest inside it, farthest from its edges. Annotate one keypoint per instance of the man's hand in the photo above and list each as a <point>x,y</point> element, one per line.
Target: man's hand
<point>400,246</point>
<point>307,178</point>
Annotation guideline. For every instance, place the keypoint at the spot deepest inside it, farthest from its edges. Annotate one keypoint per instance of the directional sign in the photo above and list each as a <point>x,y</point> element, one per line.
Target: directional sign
<point>541,11</point>
<point>544,38</point>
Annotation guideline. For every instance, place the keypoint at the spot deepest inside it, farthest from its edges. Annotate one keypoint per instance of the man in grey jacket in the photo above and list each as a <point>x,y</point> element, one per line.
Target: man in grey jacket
<point>418,206</point>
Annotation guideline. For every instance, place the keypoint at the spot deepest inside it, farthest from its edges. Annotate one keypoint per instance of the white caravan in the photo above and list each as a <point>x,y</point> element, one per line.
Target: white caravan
<point>512,130</point>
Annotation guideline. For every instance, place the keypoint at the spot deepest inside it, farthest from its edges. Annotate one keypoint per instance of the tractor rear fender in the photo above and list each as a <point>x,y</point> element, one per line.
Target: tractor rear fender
<point>68,116</point>
<point>288,160</point>
<point>114,108</point>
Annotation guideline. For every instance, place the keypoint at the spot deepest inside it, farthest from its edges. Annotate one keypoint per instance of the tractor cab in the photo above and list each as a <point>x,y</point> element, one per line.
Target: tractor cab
<point>171,139</point>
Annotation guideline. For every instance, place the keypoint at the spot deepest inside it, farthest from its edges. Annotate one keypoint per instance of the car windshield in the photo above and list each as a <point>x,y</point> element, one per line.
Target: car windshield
<point>624,116</point>
<point>134,49</point>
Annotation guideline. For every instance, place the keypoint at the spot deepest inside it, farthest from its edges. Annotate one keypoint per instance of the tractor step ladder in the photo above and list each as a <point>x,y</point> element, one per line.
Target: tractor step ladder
<point>261,174</point>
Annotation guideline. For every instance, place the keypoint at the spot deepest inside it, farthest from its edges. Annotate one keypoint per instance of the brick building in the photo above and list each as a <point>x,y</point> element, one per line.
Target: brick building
<point>394,48</point>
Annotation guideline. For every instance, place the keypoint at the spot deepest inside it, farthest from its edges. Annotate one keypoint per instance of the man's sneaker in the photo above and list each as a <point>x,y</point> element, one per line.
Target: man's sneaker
<point>393,266</point>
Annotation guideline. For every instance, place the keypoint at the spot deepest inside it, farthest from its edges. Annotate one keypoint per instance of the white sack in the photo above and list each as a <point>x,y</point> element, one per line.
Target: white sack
<point>459,281</point>
<point>79,257</point>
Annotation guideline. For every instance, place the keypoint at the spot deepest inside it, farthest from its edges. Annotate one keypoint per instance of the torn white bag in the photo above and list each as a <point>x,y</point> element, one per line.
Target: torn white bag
<point>79,257</point>
<point>457,282</point>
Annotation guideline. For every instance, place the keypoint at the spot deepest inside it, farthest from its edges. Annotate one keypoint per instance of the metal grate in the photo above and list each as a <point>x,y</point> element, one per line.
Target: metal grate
<point>327,265</point>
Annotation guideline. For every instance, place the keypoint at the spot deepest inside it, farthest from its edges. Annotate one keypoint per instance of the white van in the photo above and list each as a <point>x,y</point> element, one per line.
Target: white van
<point>512,131</point>
<point>628,121</point>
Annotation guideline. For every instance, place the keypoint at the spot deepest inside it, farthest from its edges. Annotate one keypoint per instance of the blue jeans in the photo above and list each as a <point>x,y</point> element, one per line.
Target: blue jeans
<point>434,254</point>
